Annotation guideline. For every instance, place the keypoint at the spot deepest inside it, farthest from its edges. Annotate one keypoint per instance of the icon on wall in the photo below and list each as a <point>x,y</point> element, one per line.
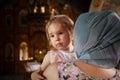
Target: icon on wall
<point>9,20</point>
<point>23,52</point>
<point>23,17</point>
<point>9,52</point>
<point>112,5</point>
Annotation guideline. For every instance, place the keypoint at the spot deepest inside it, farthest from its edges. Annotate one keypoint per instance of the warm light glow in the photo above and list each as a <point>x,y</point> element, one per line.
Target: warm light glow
<point>42,9</point>
<point>35,9</point>
<point>40,52</point>
<point>23,54</point>
<point>52,13</point>
<point>30,58</point>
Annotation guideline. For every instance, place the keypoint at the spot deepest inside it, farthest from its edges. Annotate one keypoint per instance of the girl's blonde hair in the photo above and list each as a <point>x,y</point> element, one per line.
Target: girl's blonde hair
<point>64,20</point>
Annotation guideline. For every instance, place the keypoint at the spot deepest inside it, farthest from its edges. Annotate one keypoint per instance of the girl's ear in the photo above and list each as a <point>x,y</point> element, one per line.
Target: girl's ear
<point>71,37</point>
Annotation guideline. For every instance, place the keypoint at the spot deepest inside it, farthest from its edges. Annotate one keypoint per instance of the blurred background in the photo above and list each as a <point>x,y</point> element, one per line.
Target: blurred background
<point>23,41</point>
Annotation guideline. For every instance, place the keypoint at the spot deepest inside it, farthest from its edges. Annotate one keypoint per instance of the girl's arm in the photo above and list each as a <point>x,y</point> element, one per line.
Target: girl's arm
<point>38,74</point>
<point>46,62</point>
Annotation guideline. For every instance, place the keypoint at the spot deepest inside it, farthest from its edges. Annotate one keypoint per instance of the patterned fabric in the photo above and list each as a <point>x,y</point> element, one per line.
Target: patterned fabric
<point>69,71</point>
<point>97,38</point>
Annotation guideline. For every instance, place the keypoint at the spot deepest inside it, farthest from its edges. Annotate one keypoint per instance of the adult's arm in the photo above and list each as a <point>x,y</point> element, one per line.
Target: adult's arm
<point>95,71</point>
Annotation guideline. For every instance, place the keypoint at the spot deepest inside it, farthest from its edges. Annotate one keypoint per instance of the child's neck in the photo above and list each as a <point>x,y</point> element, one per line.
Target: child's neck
<point>68,50</point>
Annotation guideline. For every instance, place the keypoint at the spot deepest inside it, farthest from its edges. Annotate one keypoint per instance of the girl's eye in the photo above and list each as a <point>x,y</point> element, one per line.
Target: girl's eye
<point>51,36</point>
<point>60,32</point>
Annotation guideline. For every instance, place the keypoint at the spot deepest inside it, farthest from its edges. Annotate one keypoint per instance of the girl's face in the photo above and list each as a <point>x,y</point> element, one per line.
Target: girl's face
<point>59,37</point>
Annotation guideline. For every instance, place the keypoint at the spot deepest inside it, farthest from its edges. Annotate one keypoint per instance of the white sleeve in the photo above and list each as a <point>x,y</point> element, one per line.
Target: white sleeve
<point>51,56</point>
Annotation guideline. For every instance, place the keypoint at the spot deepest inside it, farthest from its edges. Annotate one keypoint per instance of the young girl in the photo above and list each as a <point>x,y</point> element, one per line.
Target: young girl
<point>59,31</point>
<point>97,45</point>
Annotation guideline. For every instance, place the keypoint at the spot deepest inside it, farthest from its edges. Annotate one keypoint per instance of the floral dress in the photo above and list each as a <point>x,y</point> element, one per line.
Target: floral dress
<point>64,61</point>
<point>69,71</point>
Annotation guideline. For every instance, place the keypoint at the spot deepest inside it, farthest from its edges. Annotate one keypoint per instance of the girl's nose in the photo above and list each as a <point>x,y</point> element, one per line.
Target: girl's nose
<point>56,38</point>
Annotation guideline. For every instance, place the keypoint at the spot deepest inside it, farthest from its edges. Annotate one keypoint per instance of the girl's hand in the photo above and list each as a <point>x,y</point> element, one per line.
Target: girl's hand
<point>38,75</point>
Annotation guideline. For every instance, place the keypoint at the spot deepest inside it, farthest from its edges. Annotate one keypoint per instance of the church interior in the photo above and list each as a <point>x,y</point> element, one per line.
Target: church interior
<point>23,42</point>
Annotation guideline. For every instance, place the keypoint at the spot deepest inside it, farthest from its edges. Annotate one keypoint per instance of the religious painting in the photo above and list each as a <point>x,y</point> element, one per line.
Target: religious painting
<point>9,52</point>
<point>112,5</point>
<point>9,20</point>
<point>23,17</point>
<point>23,52</point>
